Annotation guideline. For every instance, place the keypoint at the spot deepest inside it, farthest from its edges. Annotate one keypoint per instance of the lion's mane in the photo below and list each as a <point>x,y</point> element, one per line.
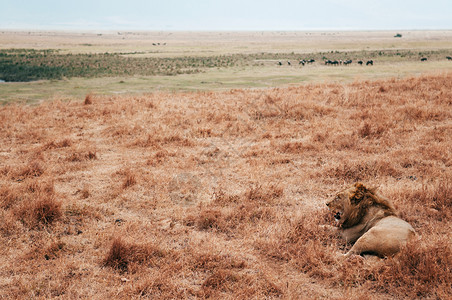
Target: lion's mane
<point>359,202</point>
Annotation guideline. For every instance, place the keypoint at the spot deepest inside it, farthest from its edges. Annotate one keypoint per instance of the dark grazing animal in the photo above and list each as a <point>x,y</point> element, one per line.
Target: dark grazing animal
<point>331,62</point>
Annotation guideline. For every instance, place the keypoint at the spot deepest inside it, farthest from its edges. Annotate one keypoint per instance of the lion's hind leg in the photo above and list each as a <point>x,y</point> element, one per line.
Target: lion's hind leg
<point>377,241</point>
<point>368,243</point>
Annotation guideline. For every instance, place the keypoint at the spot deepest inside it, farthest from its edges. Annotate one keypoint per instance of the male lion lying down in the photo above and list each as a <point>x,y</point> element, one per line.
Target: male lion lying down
<point>370,221</point>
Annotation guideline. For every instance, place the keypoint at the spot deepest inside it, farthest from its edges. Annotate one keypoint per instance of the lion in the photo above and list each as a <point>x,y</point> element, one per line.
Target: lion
<point>369,221</point>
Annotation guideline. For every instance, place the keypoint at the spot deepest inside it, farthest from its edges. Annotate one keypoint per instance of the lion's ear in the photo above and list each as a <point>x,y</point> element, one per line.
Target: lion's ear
<point>360,186</point>
<point>373,190</point>
<point>358,194</point>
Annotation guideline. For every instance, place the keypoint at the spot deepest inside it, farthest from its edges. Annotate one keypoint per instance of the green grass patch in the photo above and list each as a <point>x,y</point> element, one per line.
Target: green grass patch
<point>22,65</point>
<point>268,75</point>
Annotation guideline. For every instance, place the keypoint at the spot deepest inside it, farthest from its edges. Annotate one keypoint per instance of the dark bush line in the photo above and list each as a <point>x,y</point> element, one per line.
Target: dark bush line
<point>15,72</point>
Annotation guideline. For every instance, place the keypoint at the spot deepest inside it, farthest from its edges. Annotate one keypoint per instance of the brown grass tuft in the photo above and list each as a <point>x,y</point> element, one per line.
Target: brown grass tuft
<point>8,197</point>
<point>221,281</point>
<point>224,282</point>
<point>130,179</point>
<point>82,155</point>
<point>259,194</point>
<point>8,224</point>
<point>313,248</point>
<point>58,144</point>
<point>433,200</point>
<point>43,210</point>
<point>124,256</point>
<point>211,219</point>
<point>118,256</point>
<point>54,250</point>
<point>33,169</point>
<point>158,286</point>
<point>210,262</point>
<point>352,171</point>
<point>368,130</point>
<point>420,270</point>
<point>46,210</point>
<point>88,99</point>
<point>222,199</point>
<point>85,192</point>
<point>41,187</point>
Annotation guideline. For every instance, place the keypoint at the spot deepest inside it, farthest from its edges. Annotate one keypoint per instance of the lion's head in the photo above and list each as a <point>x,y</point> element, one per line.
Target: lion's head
<point>350,205</point>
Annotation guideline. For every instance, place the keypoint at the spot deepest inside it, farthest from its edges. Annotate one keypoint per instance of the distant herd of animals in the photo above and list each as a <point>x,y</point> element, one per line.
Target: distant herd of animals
<point>342,62</point>
<point>329,62</point>
<point>347,62</point>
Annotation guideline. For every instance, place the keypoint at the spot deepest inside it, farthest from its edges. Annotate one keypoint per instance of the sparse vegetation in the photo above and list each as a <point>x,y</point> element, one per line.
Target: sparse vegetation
<point>29,64</point>
<point>222,194</point>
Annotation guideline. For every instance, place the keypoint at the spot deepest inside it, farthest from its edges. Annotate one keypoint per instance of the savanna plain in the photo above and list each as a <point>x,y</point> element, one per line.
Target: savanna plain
<point>192,165</point>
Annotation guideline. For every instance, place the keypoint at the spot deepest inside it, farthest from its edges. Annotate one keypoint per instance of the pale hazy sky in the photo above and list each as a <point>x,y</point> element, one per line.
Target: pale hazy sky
<point>225,15</point>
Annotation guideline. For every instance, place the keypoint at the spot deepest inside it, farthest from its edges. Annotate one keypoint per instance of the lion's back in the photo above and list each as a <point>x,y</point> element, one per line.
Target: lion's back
<point>394,222</point>
<point>389,234</point>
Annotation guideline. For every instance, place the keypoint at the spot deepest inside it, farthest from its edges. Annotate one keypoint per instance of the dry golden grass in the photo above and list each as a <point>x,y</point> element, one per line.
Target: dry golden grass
<point>222,194</point>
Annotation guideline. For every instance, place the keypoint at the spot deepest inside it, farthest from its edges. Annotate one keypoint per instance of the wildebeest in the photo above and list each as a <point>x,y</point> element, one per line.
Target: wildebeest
<point>370,62</point>
<point>347,62</point>
<point>311,61</point>
<point>279,63</point>
<point>288,62</point>
<point>449,58</point>
<point>424,59</point>
<point>331,62</point>
<point>302,62</point>
<point>360,62</point>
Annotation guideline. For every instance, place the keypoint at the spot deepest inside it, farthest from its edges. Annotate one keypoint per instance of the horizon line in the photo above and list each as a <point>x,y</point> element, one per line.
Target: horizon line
<point>219,30</point>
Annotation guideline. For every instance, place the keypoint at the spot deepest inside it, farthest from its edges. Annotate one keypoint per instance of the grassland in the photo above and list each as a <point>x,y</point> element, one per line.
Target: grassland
<point>23,65</point>
<point>213,79</point>
<point>70,65</point>
<point>222,194</point>
<point>213,184</point>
